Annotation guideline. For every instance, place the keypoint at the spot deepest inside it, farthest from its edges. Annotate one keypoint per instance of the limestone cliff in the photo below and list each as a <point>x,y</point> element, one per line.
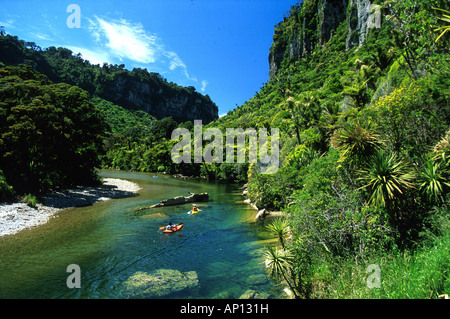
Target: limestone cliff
<point>136,89</point>
<point>160,98</point>
<point>314,23</point>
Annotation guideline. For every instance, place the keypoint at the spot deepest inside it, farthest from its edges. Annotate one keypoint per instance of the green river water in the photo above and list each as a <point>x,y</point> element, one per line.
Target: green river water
<point>110,242</point>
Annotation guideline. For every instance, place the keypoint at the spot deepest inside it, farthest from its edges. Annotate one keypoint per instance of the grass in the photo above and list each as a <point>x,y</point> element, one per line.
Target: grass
<point>419,274</point>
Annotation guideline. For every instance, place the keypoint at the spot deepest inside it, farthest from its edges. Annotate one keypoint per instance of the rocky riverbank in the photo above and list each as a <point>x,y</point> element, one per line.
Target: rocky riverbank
<point>18,216</point>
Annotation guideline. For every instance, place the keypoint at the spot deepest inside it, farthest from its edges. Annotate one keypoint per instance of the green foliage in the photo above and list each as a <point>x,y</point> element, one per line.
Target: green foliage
<point>357,144</point>
<point>280,266</point>
<point>51,134</point>
<point>432,181</point>
<point>331,215</point>
<point>279,228</point>
<point>6,190</point>
<point>355,126</point>
<point>272,191</point>
<point>441,152</point>
<point>421,274</point>
<point>111,82</point>
<point>386,178</point>
<point>446,18</point>
<point>31,200</point>
<point>414,116</point>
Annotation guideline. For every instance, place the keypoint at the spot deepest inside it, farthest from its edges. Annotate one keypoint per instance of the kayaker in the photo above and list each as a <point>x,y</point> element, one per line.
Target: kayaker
<point>194,208</point>
<point>169,227</point>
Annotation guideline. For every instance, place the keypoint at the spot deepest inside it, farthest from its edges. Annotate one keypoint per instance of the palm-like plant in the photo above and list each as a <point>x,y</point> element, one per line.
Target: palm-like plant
<point>432,181</point>
<point>356,143</point>
<point>441,151</point>
<point>280,228</point>
<point>279,264</point>
<point>386,178</point>
<point>446,18</point>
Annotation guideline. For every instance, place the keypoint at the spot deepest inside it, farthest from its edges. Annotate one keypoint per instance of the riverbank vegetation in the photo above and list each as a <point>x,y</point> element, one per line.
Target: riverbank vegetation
<point>364,174</point>
<point>365,178</point>
<point>50,134</point>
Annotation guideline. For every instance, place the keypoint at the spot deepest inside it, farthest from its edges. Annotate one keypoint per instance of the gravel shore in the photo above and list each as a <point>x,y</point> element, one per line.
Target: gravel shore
<point>17,216</point>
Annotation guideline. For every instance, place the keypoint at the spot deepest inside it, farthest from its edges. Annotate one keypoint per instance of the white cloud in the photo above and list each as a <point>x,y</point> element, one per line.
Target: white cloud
<point>204,84</point>
<point>175,62</point>
<point>94,57</point>
<point>8,24</point>
<point>125,39</point>
<point>122,39</point>
<point>43,36</point>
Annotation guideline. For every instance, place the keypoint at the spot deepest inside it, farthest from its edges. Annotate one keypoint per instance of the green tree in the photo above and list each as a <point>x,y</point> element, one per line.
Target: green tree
<point>50,134</point>
<point>305,110</point>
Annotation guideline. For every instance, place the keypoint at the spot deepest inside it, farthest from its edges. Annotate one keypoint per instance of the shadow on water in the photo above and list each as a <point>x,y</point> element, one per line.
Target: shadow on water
<point>121,254</point>
<point>84,196</point>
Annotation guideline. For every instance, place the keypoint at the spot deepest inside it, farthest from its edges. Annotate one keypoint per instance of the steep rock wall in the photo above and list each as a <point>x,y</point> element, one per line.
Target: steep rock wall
<point>313,23</point>
<point>182,104</point>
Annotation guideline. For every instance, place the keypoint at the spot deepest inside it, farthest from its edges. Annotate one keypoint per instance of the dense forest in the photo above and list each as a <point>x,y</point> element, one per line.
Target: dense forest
<point>364,176</point>
<point>364,152</point>
<point>137,89</point>
<point>52,98</point>
<point>364,120</point>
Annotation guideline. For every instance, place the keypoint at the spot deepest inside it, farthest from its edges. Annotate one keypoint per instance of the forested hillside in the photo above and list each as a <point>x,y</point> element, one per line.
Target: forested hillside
<point>137,89</point>
<point>106,115</point>
<point>364,118</point>
<point>50,134</point>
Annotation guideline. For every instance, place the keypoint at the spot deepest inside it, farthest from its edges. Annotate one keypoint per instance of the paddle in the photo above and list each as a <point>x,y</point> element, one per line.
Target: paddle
<point>162,227</point>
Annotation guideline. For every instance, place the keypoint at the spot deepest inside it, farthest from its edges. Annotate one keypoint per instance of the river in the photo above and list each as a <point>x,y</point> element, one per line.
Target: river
<point>111,243</point>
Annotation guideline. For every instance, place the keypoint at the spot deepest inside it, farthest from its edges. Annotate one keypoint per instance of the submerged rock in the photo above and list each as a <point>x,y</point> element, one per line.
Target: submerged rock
<point>252,294</point>
<point>158,283</point>
<point>155,215</point>
<point>256,280</point>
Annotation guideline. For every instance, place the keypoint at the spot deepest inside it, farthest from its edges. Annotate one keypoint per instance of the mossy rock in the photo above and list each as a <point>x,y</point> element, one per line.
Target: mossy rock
<point>158,283</point>
<point>155,215</point>
<point>252,294</point>
<point>257,280</point>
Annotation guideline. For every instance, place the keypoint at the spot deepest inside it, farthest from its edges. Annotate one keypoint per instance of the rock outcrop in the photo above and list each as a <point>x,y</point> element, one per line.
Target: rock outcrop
<point>179,200</point>
<point>314,23</point>
<point>160,99</point>
<point>158,283</point>
<point>135,89</point>
<point>202,197</point>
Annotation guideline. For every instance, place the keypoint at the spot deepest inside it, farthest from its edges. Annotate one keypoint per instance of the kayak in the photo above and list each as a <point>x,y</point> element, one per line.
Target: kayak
<point>174,228</point>
<point>195,211</point>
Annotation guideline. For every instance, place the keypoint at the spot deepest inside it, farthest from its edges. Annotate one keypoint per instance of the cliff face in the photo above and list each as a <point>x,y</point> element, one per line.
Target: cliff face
<point>313,23</point>
<point>136,89</point>
<point>182,104</point>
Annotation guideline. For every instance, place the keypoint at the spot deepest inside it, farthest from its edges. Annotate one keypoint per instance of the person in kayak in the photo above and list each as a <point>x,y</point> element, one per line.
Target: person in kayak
<point>169,227</point>
<point>194,208</point>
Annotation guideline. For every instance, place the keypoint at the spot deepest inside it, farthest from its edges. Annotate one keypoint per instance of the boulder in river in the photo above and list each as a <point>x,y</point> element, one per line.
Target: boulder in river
<point>252,294</point>
<point>256,280</point>
<point>201,197</point>
<point>158,283</point>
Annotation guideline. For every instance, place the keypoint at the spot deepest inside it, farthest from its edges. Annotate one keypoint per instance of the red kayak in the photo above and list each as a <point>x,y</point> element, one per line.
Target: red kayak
<point>174,228</point>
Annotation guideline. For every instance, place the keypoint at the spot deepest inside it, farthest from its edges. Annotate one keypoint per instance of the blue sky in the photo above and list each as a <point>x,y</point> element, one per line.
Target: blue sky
<point>220,47</point>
